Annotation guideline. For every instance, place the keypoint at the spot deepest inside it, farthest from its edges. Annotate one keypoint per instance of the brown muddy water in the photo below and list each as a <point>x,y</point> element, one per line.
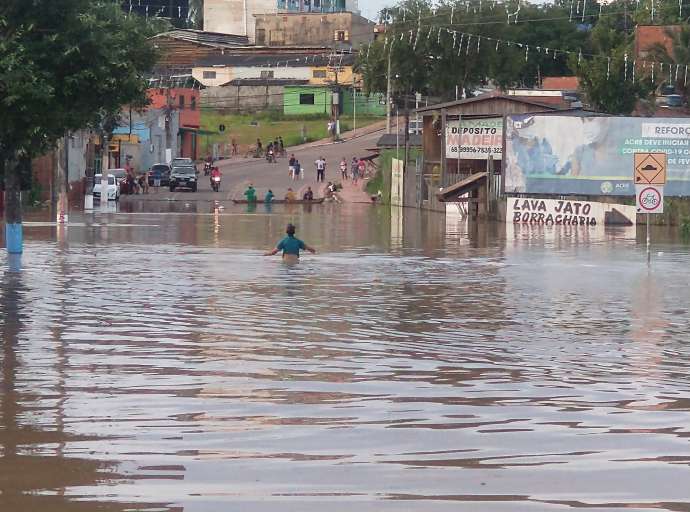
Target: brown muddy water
<point>155,361</point>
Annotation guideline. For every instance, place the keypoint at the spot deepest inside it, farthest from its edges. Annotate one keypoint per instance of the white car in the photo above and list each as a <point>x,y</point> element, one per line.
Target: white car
<point>112,191</point>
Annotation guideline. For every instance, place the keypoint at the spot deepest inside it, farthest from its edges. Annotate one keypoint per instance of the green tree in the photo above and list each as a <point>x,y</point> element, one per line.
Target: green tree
<point>64,65</point>
<point>677,58</point>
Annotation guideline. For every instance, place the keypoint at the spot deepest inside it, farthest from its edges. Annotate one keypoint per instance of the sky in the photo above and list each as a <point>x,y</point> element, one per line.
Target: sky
<point>370,8</point>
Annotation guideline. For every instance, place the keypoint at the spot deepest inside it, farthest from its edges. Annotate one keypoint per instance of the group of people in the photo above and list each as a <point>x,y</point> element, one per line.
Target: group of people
<point>290,196</point>
<point>357,167</point>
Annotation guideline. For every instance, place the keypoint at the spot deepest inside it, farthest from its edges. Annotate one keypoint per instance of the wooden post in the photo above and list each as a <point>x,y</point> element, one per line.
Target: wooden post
<point>444,162</point>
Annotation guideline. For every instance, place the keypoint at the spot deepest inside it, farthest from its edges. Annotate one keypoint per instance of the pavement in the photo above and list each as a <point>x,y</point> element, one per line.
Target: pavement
<point>238,173</point>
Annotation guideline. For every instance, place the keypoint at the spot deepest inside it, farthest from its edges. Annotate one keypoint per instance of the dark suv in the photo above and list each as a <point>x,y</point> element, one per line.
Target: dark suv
<point>164,170</point>
<point>183,177</point>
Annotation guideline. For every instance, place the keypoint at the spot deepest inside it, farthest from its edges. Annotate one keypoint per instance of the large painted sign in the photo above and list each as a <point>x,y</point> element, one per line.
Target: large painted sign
<point>474,139</point>
<point>591,155</point>
<point>559,212</point>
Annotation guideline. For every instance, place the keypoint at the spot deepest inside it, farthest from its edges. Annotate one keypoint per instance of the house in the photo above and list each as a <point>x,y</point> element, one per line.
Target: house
<point>187,102</point>
<point>344,29</point>
<point>315,65</point>
<point>180,49</point>
<point>560,83</point>
<point>462,148</point>
<point>648,36</point>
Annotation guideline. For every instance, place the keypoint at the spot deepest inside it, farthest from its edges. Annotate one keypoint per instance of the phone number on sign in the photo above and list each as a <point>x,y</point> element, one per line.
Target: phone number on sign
<point>474,149</point>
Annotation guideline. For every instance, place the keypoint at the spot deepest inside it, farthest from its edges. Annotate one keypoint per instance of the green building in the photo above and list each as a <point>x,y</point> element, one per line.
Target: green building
<point>315,99</point>
<point>299,100</point>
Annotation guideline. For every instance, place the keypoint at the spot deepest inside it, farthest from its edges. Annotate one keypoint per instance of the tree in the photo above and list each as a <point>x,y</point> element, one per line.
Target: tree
<point>607,78</point>
<point>64,65</point>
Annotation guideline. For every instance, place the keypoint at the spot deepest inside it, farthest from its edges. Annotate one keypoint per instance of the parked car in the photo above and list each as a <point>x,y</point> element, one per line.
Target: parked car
<point>113,189</point>
<point>669,101</point>
<point>164,170</point>
<point>182,161</point>
<point>183,177</point>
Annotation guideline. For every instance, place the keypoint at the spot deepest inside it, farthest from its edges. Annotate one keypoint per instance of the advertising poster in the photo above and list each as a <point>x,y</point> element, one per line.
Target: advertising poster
<point>591,155</point>
<point>475,139</point>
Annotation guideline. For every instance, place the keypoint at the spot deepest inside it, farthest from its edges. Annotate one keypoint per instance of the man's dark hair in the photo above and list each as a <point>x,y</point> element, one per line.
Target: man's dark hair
<point>290,230</point>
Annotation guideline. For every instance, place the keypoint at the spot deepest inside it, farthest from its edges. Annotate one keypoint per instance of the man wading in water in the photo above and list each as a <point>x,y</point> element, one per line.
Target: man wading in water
<point>290,245</point>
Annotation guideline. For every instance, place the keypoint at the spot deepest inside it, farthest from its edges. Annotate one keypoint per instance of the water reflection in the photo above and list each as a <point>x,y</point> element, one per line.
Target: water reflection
<point>156,360</point>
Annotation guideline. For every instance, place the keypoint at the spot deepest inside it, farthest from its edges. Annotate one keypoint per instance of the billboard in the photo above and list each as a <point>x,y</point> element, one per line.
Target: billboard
<point>563,212</point>
<point>591,155</point>
<point>474,139</point>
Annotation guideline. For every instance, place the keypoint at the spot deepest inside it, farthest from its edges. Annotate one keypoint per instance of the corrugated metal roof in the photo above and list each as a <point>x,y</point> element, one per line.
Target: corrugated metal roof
<point>213,39</point>
<point>278,59</point>
<point>486,97</point>
<point>266,81</point>
<point>390,140</point>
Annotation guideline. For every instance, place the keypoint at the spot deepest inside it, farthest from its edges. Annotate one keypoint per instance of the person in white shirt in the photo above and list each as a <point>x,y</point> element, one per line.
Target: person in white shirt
<point>320,169</point>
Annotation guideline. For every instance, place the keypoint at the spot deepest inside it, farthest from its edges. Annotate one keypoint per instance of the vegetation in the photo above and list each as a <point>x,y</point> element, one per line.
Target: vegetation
<point>246,128</point>
<point>64,65</point>
<point>512,45</point>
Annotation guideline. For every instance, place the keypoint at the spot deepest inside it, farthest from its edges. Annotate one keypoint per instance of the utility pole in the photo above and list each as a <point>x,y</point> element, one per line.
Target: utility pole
<point>388,96</point>
<point>354,106</point>
<point>168,127</point>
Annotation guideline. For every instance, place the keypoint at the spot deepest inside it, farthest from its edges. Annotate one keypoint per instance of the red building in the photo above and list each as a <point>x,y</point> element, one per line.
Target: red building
<point>187,102</point>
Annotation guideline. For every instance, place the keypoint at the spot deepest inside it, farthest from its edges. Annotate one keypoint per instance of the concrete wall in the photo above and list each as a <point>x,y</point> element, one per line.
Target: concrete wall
<point>243,98</point>
<point>235,16</point>
<point>148,143</point>
<point>309,29</point>
<point>322,101</point>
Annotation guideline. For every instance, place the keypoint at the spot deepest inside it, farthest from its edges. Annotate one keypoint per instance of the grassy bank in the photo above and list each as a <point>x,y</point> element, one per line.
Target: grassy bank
<point>245,129</point>
<point>382,180</point>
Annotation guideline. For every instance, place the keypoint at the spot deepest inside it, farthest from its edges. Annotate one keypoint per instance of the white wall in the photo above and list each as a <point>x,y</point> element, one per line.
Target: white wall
<point>223,75</point>
<point>235,16</point>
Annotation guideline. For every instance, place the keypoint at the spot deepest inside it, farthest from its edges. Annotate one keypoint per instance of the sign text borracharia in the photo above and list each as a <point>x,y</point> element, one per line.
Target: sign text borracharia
<point>565,212</point>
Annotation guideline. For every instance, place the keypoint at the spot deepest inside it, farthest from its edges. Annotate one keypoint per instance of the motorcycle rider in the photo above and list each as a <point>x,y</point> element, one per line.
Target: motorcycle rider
<point>215,173</point>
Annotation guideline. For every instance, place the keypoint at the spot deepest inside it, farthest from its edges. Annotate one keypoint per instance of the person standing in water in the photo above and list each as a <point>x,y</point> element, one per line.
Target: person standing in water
<point>250,194</point>
<point>290,245</point>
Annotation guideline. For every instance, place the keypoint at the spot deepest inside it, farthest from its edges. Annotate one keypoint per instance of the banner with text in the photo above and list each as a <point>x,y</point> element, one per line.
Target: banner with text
<point>591,155</point>
<point>475,139</point>
<point>568,213</point>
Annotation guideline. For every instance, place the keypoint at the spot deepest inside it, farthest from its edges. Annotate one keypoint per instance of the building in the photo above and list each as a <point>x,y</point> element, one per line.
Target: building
<point>177,11</point>
<point>315,99</point>
<point>235,16</point>
<point>187,102</point>
<point>457,138</point>
<point>238,16</point>
<point>648,36</point>
<point>180,49</point>
<point>315,66</point>
<point>143,139</point>
<point>344,29</point>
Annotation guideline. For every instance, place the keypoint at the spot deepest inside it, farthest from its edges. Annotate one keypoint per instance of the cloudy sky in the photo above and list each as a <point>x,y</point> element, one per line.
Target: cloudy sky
<point>370,8</point>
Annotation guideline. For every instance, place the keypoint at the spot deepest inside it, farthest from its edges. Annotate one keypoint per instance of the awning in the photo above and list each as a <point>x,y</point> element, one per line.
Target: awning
<point>473,182</point>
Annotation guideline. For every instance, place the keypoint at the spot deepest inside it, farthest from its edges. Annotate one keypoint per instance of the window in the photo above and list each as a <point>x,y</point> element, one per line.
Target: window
<point>319,73</point>
<point>193,102</point>
<point>210,75</point>
<point>306,99</point>
<point>341,35</point>
<point>267,74</point>
<point>181,101</point>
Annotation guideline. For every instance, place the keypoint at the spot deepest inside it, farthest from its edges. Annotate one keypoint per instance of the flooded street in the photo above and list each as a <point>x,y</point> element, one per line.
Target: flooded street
<point>153,360</point>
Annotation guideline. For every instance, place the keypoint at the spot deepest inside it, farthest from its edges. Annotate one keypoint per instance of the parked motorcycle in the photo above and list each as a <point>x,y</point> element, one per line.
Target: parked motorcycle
<point>215,183</point>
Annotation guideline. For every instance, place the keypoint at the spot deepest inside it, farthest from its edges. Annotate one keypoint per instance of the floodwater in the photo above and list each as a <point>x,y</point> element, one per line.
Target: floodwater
<point>155,361</point>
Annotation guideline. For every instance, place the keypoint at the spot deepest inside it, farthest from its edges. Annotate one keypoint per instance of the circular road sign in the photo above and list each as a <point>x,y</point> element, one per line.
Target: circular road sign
<point>649,199</point>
